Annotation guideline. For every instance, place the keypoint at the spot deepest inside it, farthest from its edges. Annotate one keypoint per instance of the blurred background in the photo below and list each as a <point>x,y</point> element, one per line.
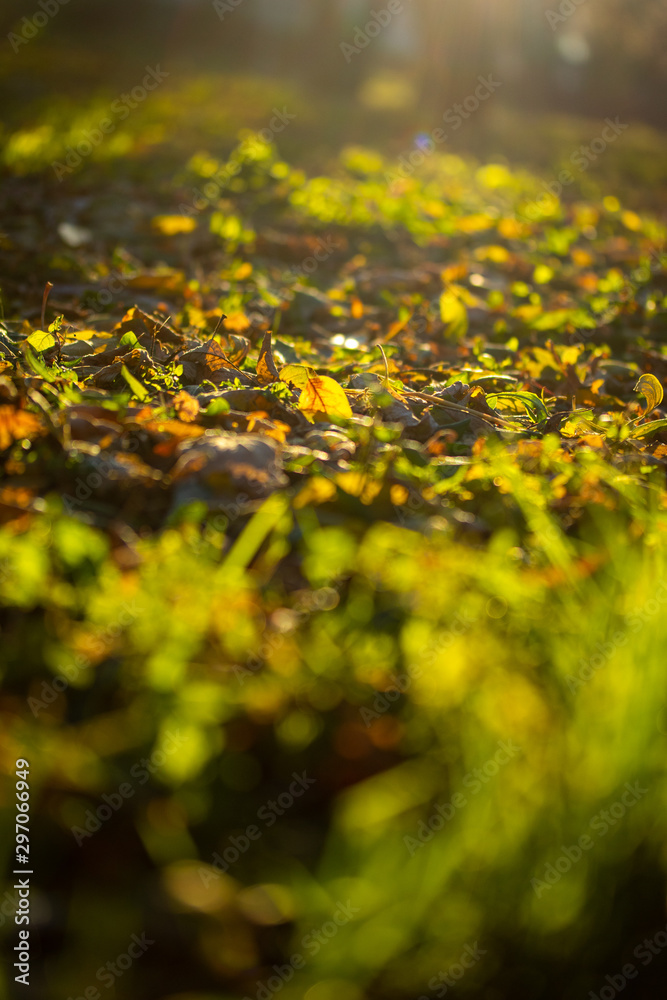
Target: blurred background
<point>389,596</point>
<point>553,58</point>
<point>583,56</point>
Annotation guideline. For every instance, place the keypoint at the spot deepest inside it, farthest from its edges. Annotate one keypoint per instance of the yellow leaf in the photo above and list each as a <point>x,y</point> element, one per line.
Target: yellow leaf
<point>139,390</point>
<point>297,375</point>
<point>494,252</point>
<point>322,394</point>
<point>171,225</point>
<point>359,484</point>
<point>41,340</point>
<point>542,274</point>
<point>316,491</point>
<point>631,221</point>
<point>651,389</point>
<point>474,223</point>
<point>454,315</point>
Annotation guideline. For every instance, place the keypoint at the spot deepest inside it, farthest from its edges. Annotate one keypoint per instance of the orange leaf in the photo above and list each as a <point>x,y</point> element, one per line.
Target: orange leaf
<point>186,406</point>
<point>17,424</point>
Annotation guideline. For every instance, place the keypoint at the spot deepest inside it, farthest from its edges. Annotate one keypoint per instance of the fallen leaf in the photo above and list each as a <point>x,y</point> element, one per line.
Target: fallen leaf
<point>41,340</point>
<point>139,390</point>
<point>454,315</point>
<point>186,406</point>
<point>297,375</point>
<point>209,362</point>
<point>172,225</point>
<point>266,366</point>
<point>323,395</point>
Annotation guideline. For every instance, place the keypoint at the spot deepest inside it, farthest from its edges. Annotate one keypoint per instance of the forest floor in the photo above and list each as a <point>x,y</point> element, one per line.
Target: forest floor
<point>343,460</point>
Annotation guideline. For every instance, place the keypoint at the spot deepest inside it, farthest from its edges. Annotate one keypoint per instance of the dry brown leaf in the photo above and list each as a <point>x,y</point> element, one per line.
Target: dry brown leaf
<point>210,363</point>
<point>144,326</point>
<point>266,366</point>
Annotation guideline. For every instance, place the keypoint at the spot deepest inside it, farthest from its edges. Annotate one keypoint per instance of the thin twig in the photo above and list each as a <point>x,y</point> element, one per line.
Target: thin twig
<point>218,324</point>
<point>156,330</point>
<point>448,405</point>
<point>386,367</point>
<point>47,290</point>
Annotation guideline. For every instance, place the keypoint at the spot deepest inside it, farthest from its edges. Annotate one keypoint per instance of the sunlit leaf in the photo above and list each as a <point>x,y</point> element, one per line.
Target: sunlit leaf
<point>529,402</point>
<point>139,390</point>
<point>297,375</point>
<point>645,430</point>
<point>454,315</point>
<point>651,389</point>
<point>41,340</point>
<point>322,395</point>
<point>560,318</point>
<point>171,225</point>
